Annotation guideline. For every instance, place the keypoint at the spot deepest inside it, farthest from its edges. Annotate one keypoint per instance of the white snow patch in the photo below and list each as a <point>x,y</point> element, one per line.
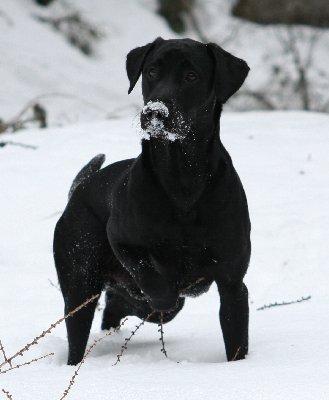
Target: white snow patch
<point>282,159</point>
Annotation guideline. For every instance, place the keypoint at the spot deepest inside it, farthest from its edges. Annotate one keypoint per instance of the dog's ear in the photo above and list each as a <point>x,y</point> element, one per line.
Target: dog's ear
<point>135,61</point>
<point>230,72</point>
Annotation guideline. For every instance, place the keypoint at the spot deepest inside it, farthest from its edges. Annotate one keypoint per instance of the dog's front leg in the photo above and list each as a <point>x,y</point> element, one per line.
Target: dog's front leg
<point>234,319</point>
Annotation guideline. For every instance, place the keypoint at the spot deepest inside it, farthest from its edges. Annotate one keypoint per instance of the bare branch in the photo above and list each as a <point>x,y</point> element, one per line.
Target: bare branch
<point>2,349</point>
<point>90,348</point>
<point>44,333</point>
<point>160,325</point>
<point>127,340</point>
<point>8,395</point>
<point>26,363</point>
<point>39,115</point>
<point>23,145</point>
<point>236,354</point>
<point>314,39</point>
<point>284,303</point>
<point>259,96</point>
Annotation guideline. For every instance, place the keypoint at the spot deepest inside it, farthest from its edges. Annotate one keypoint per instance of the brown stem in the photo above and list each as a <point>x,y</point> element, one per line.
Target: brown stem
<point>8,395</point>
<point>26,363</point>
<point>127,340</point>
<point>163,349</point>
<point>4,354</point>
<point>44,333</point>
<point>236,354</point>
<point>90,348</point>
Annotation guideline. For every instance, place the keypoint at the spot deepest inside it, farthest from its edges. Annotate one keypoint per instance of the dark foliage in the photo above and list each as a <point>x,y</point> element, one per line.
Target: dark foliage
<point>43,2</point>
<point>77,31</point>
<point>313,13</point>
<point>173,11</point>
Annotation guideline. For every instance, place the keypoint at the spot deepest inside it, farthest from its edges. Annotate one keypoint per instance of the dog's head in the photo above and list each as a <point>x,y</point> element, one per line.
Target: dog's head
<point>182,82</point>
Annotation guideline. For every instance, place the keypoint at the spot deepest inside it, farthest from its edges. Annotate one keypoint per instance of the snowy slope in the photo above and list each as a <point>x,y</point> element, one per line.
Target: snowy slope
<point>282,159</point>
<point>38,61</point>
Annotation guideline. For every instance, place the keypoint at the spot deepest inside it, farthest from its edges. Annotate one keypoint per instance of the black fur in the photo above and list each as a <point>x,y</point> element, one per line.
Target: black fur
<point>169,223</point>
<point>88,170</point>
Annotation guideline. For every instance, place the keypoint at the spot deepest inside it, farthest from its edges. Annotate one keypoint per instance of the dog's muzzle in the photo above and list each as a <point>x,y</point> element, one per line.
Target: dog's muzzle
<point>153,116</point>
<point>158,122</point>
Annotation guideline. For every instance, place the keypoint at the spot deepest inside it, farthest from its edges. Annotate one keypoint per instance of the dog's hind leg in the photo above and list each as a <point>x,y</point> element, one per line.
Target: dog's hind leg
<point>115,310</point>
<point>80,252</point>
<point>234,316</point>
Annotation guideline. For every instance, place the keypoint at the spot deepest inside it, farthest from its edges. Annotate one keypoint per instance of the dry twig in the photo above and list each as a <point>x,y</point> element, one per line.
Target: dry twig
<point>163,349</point>
<point>44,333</point>
<point>2,349</point>
<point>90,348</point>
<point>127,340</point>
<point>25,146</point>
<point>284,303</point>
<point>8,395</point>
<point>236,354</point>
<point>260,96</point>
<point>26,363</point>
<point>17,123</point>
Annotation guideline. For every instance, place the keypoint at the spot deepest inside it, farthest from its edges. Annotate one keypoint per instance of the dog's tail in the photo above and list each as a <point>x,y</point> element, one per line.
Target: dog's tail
<point>89,169</point>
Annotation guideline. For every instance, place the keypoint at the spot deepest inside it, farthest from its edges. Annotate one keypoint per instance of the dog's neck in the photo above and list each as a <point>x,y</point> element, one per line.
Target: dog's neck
<point>185,167</point>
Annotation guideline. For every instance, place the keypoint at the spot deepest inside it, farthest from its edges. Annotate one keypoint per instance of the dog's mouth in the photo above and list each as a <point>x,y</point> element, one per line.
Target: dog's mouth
<point>158,122</point>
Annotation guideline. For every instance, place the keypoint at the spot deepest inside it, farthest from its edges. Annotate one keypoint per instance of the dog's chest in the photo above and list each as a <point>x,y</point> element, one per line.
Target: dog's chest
<point>186,266</point>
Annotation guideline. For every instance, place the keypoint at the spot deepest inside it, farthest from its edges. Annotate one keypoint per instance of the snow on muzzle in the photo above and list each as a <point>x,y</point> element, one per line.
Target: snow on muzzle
<point>158,122</point>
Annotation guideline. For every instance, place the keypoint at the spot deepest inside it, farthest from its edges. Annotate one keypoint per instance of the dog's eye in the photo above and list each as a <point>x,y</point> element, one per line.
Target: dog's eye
<point>152,73</point>
<point>191,76</point>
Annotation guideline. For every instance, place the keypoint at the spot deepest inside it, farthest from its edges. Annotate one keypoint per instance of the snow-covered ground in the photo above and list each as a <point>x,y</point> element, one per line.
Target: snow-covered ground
<point>282,159</point>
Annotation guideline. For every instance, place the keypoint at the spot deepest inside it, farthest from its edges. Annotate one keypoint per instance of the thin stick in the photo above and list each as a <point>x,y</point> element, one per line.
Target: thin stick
<point>90,348</point>
<point>44,333</point>
<point>284,303</point>
<point>163,349</point>
<point>127,340</point>
<point>4,354</point>
<point>236,354</point>
<point>25,146</point>
<point>54,285</point>
<point>33,101</point>
<point>8,395</point>
<point>26,363</point>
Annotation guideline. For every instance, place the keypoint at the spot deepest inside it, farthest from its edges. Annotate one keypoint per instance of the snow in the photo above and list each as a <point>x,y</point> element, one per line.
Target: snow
<point>157,106</point>
<point>281,157</point>
<point>282,160</point>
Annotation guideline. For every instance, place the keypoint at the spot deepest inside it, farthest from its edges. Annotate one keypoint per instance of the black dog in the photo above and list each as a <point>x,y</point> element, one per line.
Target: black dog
<point>165,225</point>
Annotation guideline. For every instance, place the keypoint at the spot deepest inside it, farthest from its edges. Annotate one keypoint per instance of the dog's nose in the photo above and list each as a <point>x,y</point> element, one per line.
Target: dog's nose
<point>155,109</point>
<point>153,116</point>
<point>152,113</point>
